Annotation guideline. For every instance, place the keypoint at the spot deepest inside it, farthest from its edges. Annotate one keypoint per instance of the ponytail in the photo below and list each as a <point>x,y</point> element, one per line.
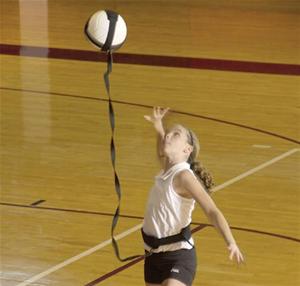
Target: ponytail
<point>203,175</point>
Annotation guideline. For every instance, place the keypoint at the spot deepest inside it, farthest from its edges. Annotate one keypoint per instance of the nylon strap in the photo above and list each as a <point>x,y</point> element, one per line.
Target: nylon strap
<point>112,17</point>
<point>116,178</point>
<point>113,160</point>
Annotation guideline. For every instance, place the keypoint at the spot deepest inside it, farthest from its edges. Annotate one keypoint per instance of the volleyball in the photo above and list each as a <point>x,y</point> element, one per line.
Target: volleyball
<point>106,30</point>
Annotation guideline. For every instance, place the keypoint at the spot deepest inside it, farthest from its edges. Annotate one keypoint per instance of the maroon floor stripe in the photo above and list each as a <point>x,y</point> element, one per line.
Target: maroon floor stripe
<point>267,233</point>
<point>37,203</point>
<point>140,218</point>
<point>150,107</point>
<point>153,60</point>
<point>124,267</point>
<point>68,210</point>
<point>114,272</point>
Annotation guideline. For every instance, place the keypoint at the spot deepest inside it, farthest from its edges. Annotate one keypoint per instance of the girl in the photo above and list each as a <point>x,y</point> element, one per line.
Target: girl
<point>170,253</point>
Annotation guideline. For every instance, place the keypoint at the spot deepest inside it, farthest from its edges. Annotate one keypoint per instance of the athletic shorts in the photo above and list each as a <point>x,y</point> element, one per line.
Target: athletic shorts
<point>179,264</point>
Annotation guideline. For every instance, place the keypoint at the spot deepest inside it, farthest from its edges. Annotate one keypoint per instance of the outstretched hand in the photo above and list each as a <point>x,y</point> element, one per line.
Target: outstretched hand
<point>158,114</point>
<point>235,253</point>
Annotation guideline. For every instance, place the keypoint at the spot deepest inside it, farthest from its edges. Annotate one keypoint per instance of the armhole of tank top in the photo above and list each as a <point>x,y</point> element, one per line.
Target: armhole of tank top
<point>173,189</point>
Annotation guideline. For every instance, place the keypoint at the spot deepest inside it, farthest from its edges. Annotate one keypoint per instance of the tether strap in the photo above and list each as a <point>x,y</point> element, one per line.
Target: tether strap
<point>153,242</point>
<point>113,18</point>
<point>113,160</point>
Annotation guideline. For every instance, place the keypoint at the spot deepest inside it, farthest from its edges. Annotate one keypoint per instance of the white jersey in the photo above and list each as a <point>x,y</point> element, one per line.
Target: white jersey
<point>167,212</point>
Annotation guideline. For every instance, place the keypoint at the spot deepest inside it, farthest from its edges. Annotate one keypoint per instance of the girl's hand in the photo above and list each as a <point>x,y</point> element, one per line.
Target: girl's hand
<point>235,253</point>
<point>158,114</point>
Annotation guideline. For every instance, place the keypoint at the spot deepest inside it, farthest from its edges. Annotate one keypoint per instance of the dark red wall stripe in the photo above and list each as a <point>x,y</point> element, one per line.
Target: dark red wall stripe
<point>152,60</point>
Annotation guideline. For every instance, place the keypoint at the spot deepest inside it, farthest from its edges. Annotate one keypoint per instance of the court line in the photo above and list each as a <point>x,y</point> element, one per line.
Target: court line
<point>151,107</point>
<point>256,169</point>
<point>115,271</point>
<point>131,263</point>
<point>140,218</point>
<point>37,203</point>
<point>152,60</point>
<point>133,229</point>
<point>79,256</point>
<point>262,146</point>
<point>119,269</point>
<point>38,207</point>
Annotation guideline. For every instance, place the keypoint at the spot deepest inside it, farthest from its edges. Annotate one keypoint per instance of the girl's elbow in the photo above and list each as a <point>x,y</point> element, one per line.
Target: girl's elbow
<point>213,213</point>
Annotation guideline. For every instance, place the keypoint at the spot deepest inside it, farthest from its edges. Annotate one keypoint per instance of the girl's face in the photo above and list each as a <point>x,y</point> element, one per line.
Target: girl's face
<point>176,142</point>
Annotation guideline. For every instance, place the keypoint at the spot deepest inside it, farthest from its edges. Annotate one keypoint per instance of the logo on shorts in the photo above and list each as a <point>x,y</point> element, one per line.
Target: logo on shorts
<point>175,270</point>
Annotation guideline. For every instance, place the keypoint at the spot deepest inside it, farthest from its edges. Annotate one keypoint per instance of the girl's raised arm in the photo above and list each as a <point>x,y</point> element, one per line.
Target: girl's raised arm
<point>156,118</point>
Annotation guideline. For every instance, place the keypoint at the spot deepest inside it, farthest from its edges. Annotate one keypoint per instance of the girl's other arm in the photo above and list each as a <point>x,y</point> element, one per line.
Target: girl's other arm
<point>193,187</point>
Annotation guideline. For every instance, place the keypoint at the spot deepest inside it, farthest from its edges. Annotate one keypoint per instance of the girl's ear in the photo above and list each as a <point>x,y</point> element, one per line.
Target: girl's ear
<point>188,149</point>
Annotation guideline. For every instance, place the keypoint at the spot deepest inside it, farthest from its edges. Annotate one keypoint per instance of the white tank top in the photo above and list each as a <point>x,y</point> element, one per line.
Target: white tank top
<point>167,212</point>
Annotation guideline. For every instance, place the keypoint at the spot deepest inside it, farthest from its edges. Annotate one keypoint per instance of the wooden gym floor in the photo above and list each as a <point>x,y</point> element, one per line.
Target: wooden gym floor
<point>228,69</point>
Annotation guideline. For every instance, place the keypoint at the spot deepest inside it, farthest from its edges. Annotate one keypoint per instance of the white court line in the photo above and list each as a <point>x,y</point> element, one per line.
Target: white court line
<point>256,169</point>
<point>135,228</point>
<point>262,146</point>
<point>79,256</point>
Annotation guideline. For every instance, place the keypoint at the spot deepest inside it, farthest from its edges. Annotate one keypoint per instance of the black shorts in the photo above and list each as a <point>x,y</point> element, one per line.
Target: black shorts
<point>179,264</point>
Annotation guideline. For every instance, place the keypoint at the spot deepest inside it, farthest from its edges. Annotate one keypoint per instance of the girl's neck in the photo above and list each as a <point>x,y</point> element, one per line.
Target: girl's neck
<point>169,163</point>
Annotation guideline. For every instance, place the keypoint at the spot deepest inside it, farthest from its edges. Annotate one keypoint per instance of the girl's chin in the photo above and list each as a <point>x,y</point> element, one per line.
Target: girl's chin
<point>166,152</point>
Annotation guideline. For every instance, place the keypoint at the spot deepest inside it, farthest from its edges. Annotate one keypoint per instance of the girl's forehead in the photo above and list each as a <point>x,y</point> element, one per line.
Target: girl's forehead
<point>178,128</point>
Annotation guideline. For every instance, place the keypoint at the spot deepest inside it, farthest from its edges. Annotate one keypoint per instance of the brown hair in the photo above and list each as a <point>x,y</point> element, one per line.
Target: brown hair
<point>201,173</point>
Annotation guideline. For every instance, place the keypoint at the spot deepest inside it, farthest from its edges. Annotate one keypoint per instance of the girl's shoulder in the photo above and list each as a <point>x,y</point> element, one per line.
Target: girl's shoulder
<point>181,180</point>
<point>184,177</point>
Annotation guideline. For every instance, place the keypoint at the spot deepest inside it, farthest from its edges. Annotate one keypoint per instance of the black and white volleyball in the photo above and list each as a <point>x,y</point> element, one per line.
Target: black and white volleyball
<point>106,29</point>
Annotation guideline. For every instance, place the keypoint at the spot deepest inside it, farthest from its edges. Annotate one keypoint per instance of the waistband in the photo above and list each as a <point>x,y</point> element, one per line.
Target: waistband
<point>184,235</point>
